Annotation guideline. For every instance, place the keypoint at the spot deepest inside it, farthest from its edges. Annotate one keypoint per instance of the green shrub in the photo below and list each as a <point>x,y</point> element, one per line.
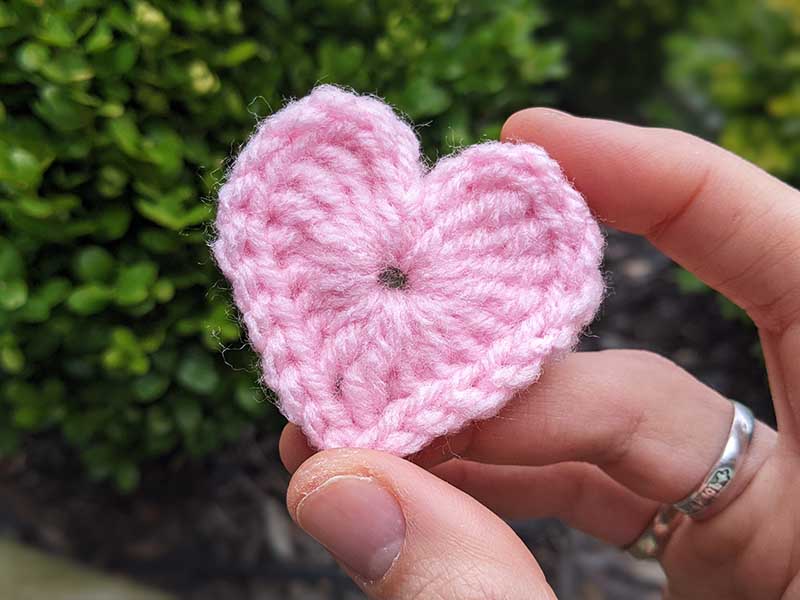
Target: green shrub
<point>615,53</point>
<point>736,70</point>
<point>116,119</point>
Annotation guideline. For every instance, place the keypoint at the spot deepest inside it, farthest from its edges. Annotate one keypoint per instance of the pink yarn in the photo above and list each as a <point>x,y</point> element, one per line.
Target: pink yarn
<point>391,304</point>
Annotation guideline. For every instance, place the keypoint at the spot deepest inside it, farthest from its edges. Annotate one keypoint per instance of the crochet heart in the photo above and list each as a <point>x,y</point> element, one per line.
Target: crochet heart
<point>391,304</point>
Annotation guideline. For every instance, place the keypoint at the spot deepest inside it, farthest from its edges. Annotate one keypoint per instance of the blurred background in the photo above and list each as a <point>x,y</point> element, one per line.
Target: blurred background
<point>134,437</point>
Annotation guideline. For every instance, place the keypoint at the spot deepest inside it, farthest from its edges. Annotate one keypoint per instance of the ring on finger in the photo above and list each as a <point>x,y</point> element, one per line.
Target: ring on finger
<point>651,542</point>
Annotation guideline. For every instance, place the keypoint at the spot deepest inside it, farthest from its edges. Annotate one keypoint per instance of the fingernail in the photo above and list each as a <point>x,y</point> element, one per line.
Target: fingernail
<point>358,521</point>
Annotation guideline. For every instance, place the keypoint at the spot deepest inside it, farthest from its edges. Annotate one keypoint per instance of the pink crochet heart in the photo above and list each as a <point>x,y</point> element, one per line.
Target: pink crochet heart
<point>392,304</point>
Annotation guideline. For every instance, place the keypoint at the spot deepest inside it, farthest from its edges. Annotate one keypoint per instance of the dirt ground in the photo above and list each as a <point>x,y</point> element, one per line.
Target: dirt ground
<point>219,530</point>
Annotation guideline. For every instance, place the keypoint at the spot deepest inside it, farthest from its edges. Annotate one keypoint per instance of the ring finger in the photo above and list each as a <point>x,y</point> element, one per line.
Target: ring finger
<point>579,494</point>
<point>645,422</point>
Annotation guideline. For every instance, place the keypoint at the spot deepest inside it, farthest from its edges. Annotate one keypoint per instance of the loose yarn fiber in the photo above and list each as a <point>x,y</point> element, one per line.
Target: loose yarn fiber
<point>392,304</point>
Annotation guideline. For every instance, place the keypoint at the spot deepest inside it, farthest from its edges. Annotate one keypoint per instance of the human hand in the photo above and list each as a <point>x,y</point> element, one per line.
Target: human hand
<point>604,438</point>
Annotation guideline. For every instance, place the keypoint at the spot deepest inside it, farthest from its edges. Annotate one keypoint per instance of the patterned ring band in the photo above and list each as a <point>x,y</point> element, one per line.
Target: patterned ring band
<point>651,543</point>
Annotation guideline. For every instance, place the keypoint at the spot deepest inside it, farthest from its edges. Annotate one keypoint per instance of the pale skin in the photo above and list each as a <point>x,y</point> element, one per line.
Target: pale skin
<point>605,437</point>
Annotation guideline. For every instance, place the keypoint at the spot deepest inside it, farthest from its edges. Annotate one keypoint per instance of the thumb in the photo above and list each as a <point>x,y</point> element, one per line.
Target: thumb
<point>402,533</point>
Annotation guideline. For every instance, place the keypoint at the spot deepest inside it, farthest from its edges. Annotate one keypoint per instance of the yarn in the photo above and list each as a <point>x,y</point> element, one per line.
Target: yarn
<point>392,304</point>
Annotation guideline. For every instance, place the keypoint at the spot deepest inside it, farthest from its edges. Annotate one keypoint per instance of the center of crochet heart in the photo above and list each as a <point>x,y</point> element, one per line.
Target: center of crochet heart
<point>393,278</point>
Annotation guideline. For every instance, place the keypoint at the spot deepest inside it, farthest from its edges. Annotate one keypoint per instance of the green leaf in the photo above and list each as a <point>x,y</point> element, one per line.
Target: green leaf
<point>423,98</point>
<point>53,291</point>
<point>116,60</point>
<point>125,353</point>
<point>93,263</point>
<point>42,300</point>
<point>34,409</point>
<point>31,56</point>
<point>126,477</point>
<point>125,134</point>
<point>188,413</point>
<point>112,222</point>
<point>250,398</point>
<point>12,360</point>
<point>134,282</point>
<point>164,148</point>
<point>731,311</point>
<point>20,168</point>
<point>111,110</point>
<point>158,422</point>
<point>58,107</point>
<point>55,30</point>
<point>89,299</point>
<point>197,373</point>
<point>159,241</point>
<point>100,39</point>
<point>172,216</point>
<point>150,386</point>
<point>202,80</point>
<point>238,53</point>
<point>688,283</point>
<point>111,181</point>
<point>340,62</point>
<point>67,67</point>
<point>163,290</point>
<point>12,265</point>
<point>53,206</point>
<point>13,293</point>
<point>151,23</point>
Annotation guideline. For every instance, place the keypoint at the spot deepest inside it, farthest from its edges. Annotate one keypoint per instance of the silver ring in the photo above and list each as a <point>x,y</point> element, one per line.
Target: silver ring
<point>722,473</point>
<point>651,543</point>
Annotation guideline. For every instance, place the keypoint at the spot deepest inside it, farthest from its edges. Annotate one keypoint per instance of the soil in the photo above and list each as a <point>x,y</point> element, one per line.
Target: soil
<point>219,530</point>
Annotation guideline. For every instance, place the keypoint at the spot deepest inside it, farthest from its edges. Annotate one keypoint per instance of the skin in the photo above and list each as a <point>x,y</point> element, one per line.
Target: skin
<point>605,437</point>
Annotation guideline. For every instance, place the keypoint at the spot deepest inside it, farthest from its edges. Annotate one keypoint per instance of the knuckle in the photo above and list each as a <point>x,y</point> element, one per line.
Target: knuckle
<point>645,361</point>
<point>631,416</point>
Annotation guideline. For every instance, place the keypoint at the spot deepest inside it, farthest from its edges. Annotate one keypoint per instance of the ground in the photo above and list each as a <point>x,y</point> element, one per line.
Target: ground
<point>219,530</point>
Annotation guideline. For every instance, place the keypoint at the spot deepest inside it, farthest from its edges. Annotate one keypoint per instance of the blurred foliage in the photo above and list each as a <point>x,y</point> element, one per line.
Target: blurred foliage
<point>688,283</point>
<point>116,120</point>
<point>615,53</point>
<point>735,69</point>
<point>736,66</point>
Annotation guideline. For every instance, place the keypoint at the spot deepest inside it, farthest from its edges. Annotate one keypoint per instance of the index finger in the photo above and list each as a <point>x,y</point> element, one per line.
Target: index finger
<point>726,220</point>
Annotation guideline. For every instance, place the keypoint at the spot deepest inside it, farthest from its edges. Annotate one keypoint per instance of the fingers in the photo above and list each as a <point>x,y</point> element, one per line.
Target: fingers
<point>718,215</point>
<point>721,217</point>
<point>577,493</point>
<point>293,447</point>
<point>647,423</point>
<point>402,533</point>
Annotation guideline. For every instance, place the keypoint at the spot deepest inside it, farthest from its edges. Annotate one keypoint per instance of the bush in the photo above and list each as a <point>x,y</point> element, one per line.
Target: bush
<point>116,119</point>
<point>615,53</point>
<point>738,77</point>
<point>737,80</point>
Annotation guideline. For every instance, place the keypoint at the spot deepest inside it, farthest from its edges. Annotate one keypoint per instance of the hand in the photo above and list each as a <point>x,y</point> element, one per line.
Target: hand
<point>603,438</point>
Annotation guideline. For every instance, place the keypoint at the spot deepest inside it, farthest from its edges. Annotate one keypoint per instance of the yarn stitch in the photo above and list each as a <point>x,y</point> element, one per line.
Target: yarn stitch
<point>392,304</point>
